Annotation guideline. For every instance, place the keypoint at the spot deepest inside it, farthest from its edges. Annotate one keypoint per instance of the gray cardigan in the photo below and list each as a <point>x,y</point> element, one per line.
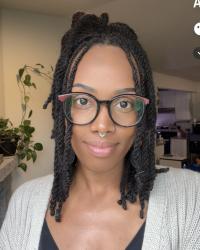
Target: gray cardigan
<point>172,223</point>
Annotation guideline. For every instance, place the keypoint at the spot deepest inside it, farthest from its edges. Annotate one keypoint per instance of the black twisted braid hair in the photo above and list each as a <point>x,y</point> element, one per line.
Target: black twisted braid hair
<point>139,171</point>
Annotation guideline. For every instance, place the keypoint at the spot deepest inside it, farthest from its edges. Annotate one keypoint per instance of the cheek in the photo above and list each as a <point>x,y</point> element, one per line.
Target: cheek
<point>128,136</point>
<point>79,134</point>
<point>75,140</point>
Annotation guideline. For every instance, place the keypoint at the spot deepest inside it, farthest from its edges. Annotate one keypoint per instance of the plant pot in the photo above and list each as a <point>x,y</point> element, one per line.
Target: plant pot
<point>8,146</point>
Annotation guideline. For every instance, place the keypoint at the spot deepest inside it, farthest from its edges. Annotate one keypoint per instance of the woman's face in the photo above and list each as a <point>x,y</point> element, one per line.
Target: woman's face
<point>103,71</point>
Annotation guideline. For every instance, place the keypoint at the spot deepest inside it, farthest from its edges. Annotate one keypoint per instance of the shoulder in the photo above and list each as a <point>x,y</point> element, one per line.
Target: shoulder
<point>176,198</point>
<point>34,187</point>
<point>179,189</point>
<point>27,202</point>
<point>178,178</point>
<point>32,192</point>
<point>34,184</point>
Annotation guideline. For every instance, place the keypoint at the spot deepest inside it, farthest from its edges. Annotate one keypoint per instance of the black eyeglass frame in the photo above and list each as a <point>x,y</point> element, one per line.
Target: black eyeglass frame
<point>63,97</point>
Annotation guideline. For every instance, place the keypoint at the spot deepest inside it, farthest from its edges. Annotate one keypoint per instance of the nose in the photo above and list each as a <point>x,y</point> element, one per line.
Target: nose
<point>103,122</point>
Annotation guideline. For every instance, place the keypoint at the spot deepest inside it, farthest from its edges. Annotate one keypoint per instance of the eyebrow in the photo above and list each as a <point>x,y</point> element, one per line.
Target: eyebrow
<point>88,88</point>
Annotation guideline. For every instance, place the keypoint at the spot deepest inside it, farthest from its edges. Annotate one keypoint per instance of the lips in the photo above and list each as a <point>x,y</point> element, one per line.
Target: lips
<point>101,144</point>
<point>101,149</point>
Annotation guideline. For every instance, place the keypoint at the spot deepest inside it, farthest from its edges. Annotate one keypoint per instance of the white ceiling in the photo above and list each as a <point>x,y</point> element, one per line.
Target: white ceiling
<point>165,28</point>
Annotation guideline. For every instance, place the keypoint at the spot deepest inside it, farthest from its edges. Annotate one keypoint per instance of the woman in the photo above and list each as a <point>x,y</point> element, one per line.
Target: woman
<point>106,192</point>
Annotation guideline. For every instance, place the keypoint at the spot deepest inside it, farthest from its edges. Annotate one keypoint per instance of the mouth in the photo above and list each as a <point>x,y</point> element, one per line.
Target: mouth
<point>101,149</point>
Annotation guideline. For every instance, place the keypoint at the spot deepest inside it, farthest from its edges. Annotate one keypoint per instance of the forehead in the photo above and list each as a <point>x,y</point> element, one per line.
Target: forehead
<point>104,68</point>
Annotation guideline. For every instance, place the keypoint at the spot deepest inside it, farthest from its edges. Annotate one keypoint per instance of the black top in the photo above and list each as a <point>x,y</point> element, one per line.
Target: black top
<point>47,242</point>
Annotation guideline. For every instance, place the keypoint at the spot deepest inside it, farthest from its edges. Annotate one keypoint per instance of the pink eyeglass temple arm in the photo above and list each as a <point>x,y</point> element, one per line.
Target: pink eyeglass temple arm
<point>63,97</point>
<point>146,101</point>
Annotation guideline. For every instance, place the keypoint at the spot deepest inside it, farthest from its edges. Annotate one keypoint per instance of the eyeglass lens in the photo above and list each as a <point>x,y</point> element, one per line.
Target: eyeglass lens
<point>126,110</point>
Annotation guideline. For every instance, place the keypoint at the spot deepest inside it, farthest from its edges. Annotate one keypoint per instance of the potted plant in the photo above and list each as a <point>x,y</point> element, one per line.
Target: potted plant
<point>21,136</point>
<point>8,137</point>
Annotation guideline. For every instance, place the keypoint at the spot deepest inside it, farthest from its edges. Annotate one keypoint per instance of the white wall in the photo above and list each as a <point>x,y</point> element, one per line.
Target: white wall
<point>177,83</point>
<point>172,82</point>
<point>29,38</point>
<point>1,75</point>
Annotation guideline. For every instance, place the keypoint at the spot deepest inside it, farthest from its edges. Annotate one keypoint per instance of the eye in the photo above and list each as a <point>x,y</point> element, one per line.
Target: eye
<point>81,101</point>
<point>124,104</point>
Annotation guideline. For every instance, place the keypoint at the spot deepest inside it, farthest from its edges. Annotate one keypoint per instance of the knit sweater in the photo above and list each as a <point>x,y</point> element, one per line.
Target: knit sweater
<point>172,223</point>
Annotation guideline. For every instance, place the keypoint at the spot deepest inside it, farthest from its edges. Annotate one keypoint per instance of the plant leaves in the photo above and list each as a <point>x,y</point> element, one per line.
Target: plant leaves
<point>27,122</point>
<point>33,84</point>
<point>21,72</point>
<point>23,166</point>
<point>22,155</point>
<point>34,156</point>
<point>28,156</point>
<point>16,130</point>
<point>27,80</point>
<point>39,64</point>
<point>28,130</point>
<point>38,146</point>
<point>30,113</point>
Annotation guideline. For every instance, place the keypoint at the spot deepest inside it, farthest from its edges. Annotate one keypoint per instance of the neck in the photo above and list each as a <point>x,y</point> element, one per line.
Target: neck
<point>95,183</point>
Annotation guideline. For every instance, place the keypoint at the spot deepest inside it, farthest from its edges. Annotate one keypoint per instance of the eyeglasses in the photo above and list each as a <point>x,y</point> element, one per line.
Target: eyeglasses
<point>82,108</point>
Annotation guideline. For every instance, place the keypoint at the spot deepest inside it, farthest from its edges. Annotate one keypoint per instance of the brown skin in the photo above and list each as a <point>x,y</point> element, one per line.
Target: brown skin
<point>91,217</point>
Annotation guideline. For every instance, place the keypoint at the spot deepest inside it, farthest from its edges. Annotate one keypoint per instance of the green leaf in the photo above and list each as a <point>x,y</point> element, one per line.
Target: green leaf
<point>33,84</point>
<point>30,113</point>
<point>22,155</point>
<point>27,122</point>
<point>34,156</point>
<point>26,139</point>
<point>27,77</point>
<point>31,129</point>
<point>23,166</point>
<point>39,64</point>
<point>16,130</point>
<point>28,156</point>
<point>38,146</point>
<point>28,130</point>
<point>27,80</point>
<point>26,98</point>
<point>21,72</point>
